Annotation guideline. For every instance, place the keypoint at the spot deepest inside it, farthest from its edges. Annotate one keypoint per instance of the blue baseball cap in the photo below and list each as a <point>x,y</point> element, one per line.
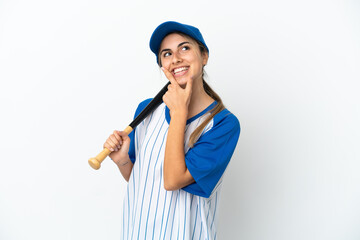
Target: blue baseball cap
<point>169,27</point>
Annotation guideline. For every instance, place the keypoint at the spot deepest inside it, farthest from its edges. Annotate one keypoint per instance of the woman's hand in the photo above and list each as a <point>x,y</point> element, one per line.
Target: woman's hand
<point>177,99</point>
<point>118,143</point>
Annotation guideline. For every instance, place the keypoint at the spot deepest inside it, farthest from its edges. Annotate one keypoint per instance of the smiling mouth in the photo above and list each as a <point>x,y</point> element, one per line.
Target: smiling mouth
<point>180,71</point>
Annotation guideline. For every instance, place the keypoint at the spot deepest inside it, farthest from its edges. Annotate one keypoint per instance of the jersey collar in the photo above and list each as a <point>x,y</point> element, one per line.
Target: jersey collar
<point>168,118</point>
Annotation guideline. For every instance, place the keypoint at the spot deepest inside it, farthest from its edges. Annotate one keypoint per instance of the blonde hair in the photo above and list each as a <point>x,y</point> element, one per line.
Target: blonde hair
<point>218,108</point>
<point>215,110</point>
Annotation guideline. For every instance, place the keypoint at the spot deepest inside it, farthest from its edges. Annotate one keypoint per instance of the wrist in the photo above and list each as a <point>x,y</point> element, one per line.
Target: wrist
<point>123,163</point>
<point>179,113</point>
<point>120,160</point>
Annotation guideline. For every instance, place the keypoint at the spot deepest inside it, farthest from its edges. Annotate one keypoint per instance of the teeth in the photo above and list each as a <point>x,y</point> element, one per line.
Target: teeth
<point>180,69</point>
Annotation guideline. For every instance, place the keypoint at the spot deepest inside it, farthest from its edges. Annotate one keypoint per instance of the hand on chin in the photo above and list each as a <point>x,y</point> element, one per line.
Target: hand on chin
<point>182,81</point>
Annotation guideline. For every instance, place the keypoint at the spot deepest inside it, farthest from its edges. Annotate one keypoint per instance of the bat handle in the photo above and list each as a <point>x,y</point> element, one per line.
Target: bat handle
<point>95,162</point>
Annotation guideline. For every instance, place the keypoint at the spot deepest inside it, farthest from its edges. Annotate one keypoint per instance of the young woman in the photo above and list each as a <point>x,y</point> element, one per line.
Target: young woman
<point>175,159</point>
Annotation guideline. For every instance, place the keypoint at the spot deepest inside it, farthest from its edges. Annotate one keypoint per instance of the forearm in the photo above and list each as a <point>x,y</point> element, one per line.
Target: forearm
<point>176,174</point>
<point>119,144</point>
<point>125,166</point>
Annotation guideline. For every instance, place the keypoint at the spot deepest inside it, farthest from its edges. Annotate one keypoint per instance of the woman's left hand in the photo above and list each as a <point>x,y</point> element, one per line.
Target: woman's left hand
<point>177,99</point>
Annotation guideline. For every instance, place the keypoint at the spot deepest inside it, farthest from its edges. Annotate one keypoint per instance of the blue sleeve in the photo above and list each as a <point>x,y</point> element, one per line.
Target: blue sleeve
<point>210,155</point>
<point>132,153</point>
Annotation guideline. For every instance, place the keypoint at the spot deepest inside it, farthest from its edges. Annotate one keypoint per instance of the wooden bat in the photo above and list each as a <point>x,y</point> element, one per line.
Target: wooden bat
<point>154,103</point>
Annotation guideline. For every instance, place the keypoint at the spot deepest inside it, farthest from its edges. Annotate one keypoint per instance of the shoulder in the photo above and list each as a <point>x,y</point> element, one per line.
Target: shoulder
<point>226,120</point>
<point>222,129</point>
<point>142,105</point>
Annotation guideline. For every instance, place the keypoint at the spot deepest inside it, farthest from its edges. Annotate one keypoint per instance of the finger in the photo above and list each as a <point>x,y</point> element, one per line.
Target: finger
<point>170,87</point>
<point>164,98</point>
<point>169,76</point>
<point>125,141</point>
<point>114,142</point>
<point>124,136</point>
<point>118,137</point>
<point>109,146</point>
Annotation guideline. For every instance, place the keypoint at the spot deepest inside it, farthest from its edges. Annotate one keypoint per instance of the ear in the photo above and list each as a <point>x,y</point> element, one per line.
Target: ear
<point>205,57</point>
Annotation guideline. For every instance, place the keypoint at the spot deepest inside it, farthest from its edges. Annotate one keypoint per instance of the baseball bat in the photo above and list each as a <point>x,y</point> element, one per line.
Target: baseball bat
<point>95,162</point>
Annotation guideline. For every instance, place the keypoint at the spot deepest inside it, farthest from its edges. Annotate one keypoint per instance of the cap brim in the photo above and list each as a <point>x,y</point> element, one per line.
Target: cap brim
<point>163,30</point>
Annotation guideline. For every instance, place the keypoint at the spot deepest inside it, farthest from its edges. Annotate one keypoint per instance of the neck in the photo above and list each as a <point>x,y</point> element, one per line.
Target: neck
<point>199,99</point>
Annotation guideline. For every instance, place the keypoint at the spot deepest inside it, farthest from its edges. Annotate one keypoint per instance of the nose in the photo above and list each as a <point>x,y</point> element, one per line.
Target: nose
<point>176,58</point>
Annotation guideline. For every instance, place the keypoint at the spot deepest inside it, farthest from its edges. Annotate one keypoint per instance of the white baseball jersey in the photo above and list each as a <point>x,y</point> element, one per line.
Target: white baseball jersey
<point>151,212</point>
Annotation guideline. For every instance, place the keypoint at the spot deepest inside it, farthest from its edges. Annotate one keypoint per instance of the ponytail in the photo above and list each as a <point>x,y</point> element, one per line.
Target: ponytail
<point>218,108</point>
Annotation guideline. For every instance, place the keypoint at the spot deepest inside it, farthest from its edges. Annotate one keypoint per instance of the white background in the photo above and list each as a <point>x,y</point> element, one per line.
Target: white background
<point>72,71</point>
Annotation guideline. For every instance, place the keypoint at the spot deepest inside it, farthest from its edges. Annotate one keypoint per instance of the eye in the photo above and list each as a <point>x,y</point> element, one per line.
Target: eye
<point>185,48</point>
<point>166,54</point>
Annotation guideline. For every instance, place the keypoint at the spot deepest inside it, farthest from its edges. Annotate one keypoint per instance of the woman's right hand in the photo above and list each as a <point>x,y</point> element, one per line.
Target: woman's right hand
<point>118,143</point>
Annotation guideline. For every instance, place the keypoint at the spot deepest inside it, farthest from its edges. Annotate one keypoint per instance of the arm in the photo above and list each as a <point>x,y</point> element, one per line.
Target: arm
<point>176,174</point>
<point>119,143</point>
<point>125,168</point>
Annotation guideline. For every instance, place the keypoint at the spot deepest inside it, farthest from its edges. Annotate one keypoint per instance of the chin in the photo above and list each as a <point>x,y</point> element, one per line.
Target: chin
<point>181,82</point>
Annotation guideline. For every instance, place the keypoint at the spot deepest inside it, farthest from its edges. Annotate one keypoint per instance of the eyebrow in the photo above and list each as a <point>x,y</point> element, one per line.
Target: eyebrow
<point>168,49</point>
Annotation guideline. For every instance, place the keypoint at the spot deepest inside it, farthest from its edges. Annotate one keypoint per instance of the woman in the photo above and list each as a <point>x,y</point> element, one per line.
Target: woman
<point>175,159</point>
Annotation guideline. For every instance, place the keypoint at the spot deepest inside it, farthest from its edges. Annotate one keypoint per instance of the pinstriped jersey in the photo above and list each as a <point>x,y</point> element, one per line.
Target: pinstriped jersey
<point>151,212</point>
